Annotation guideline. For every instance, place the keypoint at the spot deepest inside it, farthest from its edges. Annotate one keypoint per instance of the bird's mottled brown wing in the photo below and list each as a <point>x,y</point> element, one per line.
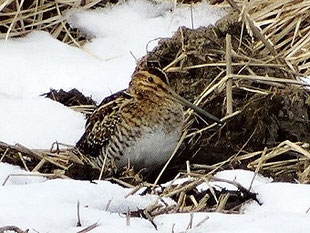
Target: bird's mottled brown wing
<point>101,124</point>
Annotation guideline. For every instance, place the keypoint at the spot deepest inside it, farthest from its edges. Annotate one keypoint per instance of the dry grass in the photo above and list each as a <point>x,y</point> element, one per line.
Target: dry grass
<point>18,18</point>
<point>281,32</point>
<point>265,160</point>
<point>56,160</point>
<point>283,28</point>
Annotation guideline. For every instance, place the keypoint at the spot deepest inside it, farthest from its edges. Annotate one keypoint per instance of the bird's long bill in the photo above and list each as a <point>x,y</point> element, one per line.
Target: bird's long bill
<point>195,108</point>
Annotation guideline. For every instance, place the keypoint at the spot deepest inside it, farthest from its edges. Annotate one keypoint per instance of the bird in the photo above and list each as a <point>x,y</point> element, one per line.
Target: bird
<point>140,125</point>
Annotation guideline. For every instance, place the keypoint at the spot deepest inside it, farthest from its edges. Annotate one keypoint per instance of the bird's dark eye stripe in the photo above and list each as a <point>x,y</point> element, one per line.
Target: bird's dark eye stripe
<point>159,73</point>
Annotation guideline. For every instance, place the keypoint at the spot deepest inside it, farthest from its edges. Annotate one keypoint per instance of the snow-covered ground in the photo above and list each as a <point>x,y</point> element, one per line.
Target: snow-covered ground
<point>43,205</point>
<point>36,63</point>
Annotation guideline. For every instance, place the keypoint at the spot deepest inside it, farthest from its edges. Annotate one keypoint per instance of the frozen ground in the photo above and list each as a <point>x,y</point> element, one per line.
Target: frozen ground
<point>38,62</point>
<point>43,205</point>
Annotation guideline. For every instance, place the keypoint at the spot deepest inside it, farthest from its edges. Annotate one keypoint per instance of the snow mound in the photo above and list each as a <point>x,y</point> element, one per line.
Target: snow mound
<point>38,122</point>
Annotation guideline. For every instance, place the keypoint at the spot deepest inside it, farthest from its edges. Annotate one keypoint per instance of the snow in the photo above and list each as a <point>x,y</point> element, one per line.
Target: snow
<point>43,205</point>
<point>243,177</point>
<point>38,122</point>
<point>10,175</point>
<point>38,62</point>
<point>50,205</point>
<point>285,208</point>
<point>233,223</point>
<point>286,199</point>
<point>137,23</point>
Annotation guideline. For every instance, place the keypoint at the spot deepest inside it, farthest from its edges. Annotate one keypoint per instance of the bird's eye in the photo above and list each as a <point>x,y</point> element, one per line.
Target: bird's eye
<point>150,79</point>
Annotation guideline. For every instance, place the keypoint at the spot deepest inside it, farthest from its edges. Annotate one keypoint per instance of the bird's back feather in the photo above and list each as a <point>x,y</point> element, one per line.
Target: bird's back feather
<point>101,124</point>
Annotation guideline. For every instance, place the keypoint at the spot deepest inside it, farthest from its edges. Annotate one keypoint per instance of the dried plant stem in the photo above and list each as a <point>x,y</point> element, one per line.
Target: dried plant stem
<point>254,28</point>
<point>89,228</point>
<point>268,79</point>
<point>213,125</point>
<point>229,98</point>
<point>103,167</point>
<point>182,69</point>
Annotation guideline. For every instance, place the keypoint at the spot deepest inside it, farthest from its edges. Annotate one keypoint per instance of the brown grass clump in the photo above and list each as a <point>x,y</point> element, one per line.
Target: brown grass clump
<point>18,18</point>
<point>242,70</point>
<point>283,29</point>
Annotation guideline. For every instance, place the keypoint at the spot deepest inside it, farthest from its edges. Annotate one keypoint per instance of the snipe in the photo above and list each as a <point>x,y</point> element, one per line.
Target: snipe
<point>140,125</point>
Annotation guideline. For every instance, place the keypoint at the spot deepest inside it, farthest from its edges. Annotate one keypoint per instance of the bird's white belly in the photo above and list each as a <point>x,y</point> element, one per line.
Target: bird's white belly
<point>151,150</point>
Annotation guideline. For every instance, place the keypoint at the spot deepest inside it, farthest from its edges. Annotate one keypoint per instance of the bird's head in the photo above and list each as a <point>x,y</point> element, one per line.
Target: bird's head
<point>154,82</point>
<point>151,80</point>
